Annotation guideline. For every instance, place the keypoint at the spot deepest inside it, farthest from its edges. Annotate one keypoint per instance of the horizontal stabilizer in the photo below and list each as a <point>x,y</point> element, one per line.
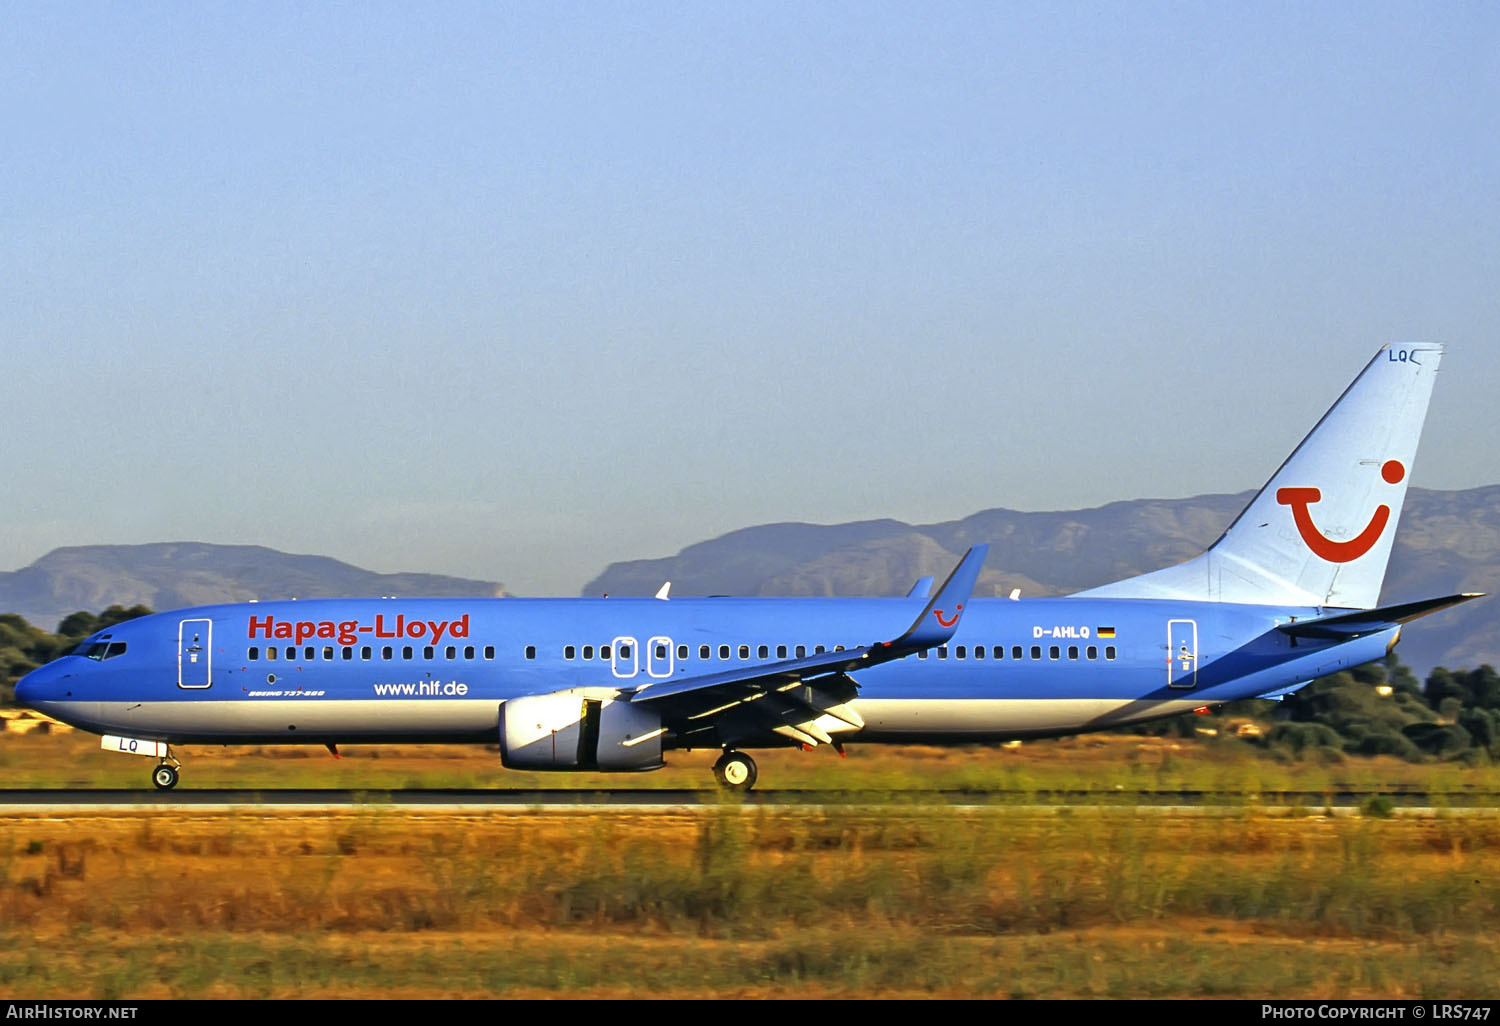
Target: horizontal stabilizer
<point>1368,621</point>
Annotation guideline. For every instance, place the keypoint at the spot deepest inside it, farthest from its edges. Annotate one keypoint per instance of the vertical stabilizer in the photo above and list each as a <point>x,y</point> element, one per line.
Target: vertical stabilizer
<point>1320,532</point>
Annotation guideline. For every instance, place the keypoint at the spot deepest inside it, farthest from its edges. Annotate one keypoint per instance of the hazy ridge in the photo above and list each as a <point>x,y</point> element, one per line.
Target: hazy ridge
<point>170,575</point>
<point>1448,541</point>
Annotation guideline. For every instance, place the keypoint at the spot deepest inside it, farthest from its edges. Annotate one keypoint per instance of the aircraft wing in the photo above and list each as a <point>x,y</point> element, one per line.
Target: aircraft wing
<point>803,699</point>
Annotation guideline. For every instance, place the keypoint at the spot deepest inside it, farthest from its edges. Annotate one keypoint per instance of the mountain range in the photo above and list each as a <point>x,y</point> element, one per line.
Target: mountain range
<point>1448,541</point>
<point>170,575</point>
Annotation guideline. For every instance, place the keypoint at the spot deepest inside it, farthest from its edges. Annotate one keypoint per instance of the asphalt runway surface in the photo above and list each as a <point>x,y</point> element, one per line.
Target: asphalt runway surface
<point>37,800</point>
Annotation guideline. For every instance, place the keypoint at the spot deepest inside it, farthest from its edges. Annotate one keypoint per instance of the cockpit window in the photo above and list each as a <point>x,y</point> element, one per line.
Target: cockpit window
<point>99,650</point>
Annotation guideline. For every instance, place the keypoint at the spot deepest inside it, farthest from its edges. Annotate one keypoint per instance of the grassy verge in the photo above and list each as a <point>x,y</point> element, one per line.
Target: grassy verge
<point>727,900</point>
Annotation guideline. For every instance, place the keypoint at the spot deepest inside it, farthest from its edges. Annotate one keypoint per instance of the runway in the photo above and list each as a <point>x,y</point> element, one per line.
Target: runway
<point>33,801</point>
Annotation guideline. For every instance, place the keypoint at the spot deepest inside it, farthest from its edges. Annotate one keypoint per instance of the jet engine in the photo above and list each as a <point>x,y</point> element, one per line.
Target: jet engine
<point>567,730</point>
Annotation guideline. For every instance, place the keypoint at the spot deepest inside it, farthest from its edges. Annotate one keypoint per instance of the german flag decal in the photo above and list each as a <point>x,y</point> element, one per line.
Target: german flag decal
<point>1104,632</point>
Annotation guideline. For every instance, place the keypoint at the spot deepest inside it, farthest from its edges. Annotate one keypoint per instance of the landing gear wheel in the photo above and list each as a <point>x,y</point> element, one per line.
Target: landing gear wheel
<point>735,771</point>
<point>164,777</point>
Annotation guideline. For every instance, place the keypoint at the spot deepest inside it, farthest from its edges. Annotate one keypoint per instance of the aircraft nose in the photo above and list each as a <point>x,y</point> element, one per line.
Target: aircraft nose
<point>37,686</point>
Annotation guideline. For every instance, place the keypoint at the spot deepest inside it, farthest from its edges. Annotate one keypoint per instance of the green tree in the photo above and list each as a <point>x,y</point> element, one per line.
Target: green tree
<point>23,647</point>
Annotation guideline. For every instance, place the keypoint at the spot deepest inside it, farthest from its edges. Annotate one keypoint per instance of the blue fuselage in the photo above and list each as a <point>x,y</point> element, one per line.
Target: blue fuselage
<point>439,669</point>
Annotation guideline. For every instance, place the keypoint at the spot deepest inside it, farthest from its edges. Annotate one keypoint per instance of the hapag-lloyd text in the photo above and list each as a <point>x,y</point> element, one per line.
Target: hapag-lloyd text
<point>348,632</point>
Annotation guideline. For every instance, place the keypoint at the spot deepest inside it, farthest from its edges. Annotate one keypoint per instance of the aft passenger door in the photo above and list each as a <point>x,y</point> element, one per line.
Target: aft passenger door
<point>1182,653</point>
<point>195,653</point>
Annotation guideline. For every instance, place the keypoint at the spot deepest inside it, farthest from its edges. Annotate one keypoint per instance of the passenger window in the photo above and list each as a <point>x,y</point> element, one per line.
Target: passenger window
<point>661,651</point>
<point>1092,651</point>
<point>682,651</point>
<point>780,651</point>
<point>744,651</point>
<point>818,650</point>
<point>962,651</point>
<point>530,652</point>
<point>426,652</point>
<point>452,652</point>
<point>922,654</point>
<point>1109,651</point>
<point>1036,651</point>
<point>468,651</point>
<point>348,651</point>
<point>254,653</point>
<point>588,651</point>
<point>1053,652</point>
<point>624,651</point>
<point>763,652</point>
<point>703,651</point>
<point>271,652</point>
<point>999,652</point>
<point>406,652</point>
<point>1072,651</point>
<point>978,651</point>
<point>386,652</point>
<point>569,652</point>
<point>942,651</point>
<point>307,653</point>
<point>605,652</point>
<point>489,651</point>
<point>366,651</point>
<point>801,651</point>
<point>723,651</point>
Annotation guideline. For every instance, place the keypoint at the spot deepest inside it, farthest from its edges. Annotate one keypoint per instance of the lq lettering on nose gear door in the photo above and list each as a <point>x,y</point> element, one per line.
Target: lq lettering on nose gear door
<point>194,653</point>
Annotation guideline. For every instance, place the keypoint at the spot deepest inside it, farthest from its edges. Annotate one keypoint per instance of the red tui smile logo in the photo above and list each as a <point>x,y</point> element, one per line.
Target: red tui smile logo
<point>952,619</point>
<point>1324,547</point>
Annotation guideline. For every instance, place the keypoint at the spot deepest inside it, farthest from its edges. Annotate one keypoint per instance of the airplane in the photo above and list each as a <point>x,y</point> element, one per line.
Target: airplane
<point>1288,593</point>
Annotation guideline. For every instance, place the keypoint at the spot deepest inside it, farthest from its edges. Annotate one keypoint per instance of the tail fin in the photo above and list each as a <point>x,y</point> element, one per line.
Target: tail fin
<point>1320,532</point>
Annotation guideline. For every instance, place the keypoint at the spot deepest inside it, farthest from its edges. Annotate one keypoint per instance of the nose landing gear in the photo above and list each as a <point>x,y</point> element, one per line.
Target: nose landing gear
<point>164,776</point>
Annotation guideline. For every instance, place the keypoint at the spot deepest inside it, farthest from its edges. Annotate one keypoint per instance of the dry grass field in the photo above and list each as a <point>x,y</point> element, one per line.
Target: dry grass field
<point>737,900</point>
<point>1093,762</point>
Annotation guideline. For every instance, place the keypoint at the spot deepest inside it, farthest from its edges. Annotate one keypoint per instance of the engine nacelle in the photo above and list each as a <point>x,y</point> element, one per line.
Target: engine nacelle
<point>567,730</point>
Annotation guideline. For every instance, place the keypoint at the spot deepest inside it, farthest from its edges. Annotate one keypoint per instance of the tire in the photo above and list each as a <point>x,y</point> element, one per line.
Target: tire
<point>164,777</point>
<point>735,771</point>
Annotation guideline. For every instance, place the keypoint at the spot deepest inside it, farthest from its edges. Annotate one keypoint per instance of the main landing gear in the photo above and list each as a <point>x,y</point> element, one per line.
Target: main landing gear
<point>735,771</point>
<point>164,776</point>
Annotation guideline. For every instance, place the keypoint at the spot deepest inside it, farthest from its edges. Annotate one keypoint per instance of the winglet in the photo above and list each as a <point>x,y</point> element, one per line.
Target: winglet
<point>922,589</point>
<point>663,591</point>
<point>940,617</point>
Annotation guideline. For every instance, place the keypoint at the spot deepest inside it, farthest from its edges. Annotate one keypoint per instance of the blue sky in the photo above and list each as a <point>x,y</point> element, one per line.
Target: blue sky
<point>516,290</point>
